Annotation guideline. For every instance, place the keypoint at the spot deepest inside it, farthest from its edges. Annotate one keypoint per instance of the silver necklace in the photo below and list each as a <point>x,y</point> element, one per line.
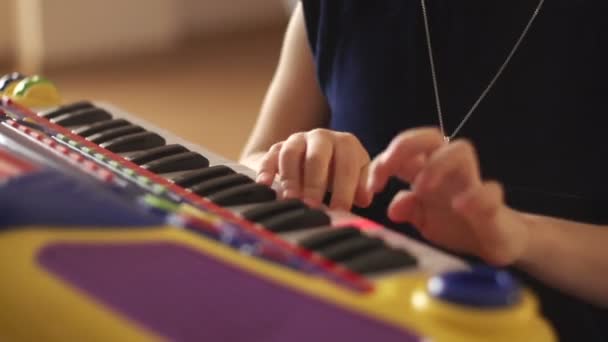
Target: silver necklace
<point>446,136</point>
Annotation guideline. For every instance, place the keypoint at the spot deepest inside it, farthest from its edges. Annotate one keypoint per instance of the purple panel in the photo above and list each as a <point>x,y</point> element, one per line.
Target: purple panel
<point>185,295</point>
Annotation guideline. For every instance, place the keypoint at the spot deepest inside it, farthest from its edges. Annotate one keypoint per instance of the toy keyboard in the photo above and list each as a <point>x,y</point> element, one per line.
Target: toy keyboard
<point>112,229</point>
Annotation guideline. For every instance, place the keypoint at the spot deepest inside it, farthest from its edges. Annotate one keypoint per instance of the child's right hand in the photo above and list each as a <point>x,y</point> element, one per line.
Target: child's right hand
<point>311,163</point>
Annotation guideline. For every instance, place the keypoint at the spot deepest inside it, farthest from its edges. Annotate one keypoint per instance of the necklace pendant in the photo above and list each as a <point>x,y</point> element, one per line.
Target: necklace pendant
<point>446,139</point>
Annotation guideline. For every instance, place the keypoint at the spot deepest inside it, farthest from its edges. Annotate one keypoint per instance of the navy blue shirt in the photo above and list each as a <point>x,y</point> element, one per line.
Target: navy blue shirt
<point>541,131</point>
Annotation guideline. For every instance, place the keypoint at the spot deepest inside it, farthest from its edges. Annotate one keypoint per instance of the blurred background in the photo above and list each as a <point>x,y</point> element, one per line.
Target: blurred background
<point>198,68</point>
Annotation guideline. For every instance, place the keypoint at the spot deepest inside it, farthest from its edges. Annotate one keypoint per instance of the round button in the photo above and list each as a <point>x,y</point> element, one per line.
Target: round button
<point>481,287</point>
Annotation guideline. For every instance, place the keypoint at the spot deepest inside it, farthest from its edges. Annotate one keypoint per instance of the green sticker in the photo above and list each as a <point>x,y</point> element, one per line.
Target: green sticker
<point>159,189</point>
<point>29,82</point>
<point>143,179</point>
<point>160,203</point>
<point>128,172</point>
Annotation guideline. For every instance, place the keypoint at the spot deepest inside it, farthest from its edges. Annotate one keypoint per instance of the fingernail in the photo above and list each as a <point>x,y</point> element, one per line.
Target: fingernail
<point>290,193</point>
<point>264,177</point>
<point>311,202</point>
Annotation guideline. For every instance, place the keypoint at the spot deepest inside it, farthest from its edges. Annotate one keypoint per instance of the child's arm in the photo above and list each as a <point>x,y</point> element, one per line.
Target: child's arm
<point>290,139</point>
<point>294,102</point>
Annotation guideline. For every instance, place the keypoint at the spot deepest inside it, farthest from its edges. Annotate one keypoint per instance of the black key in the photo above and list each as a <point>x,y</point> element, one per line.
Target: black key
<point>10,78</point>
<point>85,116</point>
<point>88,130</point>
<point>72,107</point>
<point>211,186</point>
<point>177,162</point>
<point>146,156</point>
<point>296,220</point>
<point>328,237</point>
<point>381,260</point>
<point>189,178</point>
<point>350,248</point>
<point>266,210</point>
<point>113,133</point>
<point>244,194</point>
<point>134,142</point>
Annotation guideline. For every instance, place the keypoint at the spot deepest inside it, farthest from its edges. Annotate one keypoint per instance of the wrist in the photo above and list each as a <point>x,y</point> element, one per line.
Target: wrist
<point>512,240</point>
<point>533,246</point>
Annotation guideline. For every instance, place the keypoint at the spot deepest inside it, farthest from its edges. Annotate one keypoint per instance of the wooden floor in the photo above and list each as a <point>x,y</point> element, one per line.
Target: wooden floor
<point>208,92</point>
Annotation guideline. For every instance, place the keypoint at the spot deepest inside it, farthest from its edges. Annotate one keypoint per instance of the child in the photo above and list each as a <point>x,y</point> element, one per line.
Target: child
<point>517,87</point>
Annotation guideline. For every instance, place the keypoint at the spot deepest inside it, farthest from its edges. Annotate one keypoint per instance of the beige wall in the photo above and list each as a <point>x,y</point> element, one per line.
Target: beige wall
<point>211,16</point>
<point>62,32</point>
<point>7,31</point>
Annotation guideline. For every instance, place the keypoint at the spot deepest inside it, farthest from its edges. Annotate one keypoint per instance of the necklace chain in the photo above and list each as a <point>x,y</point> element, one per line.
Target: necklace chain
<point>488,87</point>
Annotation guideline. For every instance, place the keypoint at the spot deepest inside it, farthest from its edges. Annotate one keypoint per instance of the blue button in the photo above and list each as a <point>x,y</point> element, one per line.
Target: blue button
<point>481,287</point>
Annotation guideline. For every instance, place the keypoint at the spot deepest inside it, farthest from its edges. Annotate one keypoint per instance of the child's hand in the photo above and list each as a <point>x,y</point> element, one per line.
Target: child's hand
<point>448,202</point>
<point>311,163</point>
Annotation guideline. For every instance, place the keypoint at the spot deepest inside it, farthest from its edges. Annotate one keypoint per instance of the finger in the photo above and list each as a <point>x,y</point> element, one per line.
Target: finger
<point>480,204</point>
<point>406,172</point>
<point>346,171</point>
<point>363,197</point>
<point>319,151</point>
<point>269,165</point>
<point>404,150</point>
<point>455,163</point>
<point>405,208</point>
<point>290,164</point>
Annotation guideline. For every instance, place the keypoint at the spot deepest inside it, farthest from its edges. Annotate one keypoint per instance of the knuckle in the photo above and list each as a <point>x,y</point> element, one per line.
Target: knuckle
<point>291,149</point>
<point>464,145</point>
<point>434,132</point>
<point>275,147</point>
<point>497,189</point>
<point>346,138</point>
<point>431,131</point>
<point>296,137</point>
<point>319,132</point>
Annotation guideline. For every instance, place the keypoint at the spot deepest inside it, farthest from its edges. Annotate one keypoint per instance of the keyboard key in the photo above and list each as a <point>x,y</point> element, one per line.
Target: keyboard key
<point>66,109</point>
<point>296,220</point>
<point>207,188</point>
<point>177,162</point>
<point>134,142</point>
<point>244,194</point>
<point>9,78</point>
<point>350,248</point>
<point>381,260</point>
<point>88,130</point>
<point>110,134</point>
<point>328,237</point>
<point>146,156</point>
<point>266,210</point>
<point>188,178</point>
<point>84,116</point>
